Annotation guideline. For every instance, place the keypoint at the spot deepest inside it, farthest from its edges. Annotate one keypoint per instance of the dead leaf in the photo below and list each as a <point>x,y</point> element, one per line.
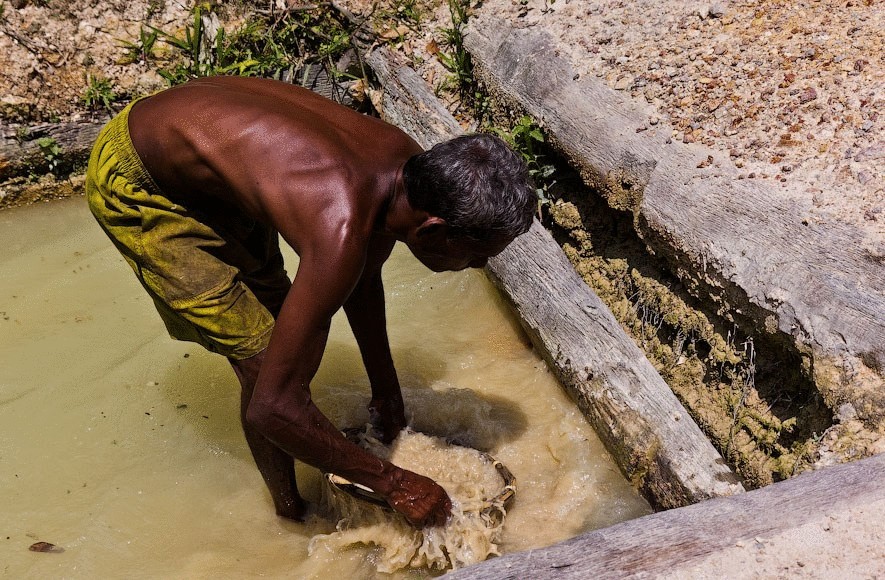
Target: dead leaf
<point>706,162</point>
<point>395,33</point>
<point>45,547</point>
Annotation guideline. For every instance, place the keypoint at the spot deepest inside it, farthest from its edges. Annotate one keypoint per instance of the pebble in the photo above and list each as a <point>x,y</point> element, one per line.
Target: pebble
<point>808,95</point>
<point>623,83</point>
<point>717,10</point>
<point>875,151</point>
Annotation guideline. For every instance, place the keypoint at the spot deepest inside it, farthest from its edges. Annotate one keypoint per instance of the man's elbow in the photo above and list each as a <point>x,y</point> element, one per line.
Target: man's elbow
<point>259,417</point>
<point>269,417</point>
<point>272,417</point>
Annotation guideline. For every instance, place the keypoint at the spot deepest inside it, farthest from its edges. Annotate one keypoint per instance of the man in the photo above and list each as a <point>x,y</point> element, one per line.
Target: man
<point>193,184</point>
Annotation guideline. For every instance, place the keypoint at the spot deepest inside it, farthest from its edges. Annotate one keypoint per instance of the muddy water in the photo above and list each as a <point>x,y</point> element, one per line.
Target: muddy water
<point>123,447</point>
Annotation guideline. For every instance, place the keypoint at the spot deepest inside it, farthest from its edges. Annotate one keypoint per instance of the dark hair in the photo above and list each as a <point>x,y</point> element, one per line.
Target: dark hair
<point>474,182</point>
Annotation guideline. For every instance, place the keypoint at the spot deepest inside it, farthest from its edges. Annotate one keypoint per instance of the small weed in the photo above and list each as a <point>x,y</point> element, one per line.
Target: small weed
<point>142,49</point>
<point>21,133</point>
<point>408,12</point>
<point>99,92</point>
<point>51,151</point>
<point>527,138</point>
<point>189,46</point>
<point>154,7</point>
<point>458,61</point>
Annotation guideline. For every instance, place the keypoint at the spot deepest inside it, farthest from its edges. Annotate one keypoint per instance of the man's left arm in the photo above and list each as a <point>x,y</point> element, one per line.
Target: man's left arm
<point>365,309</point>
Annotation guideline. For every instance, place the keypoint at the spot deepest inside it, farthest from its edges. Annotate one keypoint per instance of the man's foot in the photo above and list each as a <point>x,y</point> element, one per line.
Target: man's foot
<point>294,509</point>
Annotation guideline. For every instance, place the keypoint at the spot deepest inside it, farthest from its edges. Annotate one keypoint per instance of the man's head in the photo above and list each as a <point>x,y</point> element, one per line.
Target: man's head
<point>479,197</point>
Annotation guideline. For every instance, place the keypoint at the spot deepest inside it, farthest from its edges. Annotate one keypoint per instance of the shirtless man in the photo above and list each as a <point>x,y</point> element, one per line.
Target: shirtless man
<point>193,184</point>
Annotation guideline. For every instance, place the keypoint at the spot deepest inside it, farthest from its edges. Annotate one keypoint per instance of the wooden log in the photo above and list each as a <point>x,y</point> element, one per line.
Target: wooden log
<point>816,290</point>
<point>819,524</point>
<point>653,439</point>
<point>408,102</point>
<point>20,151</point>
<point>657,444</point>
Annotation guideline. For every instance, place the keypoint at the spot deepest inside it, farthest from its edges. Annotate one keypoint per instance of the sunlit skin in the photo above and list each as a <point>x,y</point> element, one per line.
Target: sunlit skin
<point>330,181</point>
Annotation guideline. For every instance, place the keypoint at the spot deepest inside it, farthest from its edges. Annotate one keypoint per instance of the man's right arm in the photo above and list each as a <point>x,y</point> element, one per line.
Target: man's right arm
<point>281,407</point>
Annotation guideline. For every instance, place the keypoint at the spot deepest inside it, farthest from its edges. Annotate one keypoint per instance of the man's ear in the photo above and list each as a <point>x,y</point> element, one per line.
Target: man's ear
<point>432,226</point>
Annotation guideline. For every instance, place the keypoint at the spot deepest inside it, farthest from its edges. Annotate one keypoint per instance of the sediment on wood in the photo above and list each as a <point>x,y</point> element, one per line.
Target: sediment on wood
<point>760,414</point>
<point>651,436</point>
<point>811,291</point>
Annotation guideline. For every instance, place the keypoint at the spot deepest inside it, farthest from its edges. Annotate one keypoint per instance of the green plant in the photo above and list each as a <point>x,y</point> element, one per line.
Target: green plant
<point>458,61</point>
<point>189,45</point>
<point>99,92</point>
<point>142,49</point>
<point>261,46</point>
<point>408,12</point>
<point>51,151</point>
<point>527,138</point>
<point>154,7</point>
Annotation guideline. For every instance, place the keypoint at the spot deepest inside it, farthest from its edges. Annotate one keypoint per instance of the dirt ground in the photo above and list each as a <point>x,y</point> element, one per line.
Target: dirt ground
<point>50,49</point>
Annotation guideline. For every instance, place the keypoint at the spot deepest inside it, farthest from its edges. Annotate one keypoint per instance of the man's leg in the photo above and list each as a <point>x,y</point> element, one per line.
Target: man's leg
<point>276,466</point>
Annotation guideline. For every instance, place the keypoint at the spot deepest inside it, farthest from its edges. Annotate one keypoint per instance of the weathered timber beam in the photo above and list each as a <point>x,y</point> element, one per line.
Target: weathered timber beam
<point>20,151</point>
<point>653,439</point>
<point>815,289</point>
<point>819,524</point>
<point>409,103</point>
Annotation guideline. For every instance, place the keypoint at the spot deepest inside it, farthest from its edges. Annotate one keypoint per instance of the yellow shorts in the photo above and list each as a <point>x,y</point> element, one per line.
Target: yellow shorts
<point>218,281</point>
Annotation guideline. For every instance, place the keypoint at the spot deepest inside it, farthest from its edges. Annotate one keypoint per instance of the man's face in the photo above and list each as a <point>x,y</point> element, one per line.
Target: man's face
<point>458,254</point>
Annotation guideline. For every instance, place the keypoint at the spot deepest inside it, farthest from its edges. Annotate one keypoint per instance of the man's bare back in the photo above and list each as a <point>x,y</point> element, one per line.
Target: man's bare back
<point>284,154</point>
<point>333,183</point>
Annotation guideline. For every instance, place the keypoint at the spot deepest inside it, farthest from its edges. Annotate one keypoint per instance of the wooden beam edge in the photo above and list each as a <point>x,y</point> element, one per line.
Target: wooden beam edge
<point>680,543</point>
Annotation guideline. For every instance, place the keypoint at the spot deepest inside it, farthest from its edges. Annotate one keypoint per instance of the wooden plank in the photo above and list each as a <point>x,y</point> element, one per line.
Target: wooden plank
<point>830,518</point>
<point>20,153</point>
<point>653,439</point>
<point>732,241</point>
<point>408,102</point>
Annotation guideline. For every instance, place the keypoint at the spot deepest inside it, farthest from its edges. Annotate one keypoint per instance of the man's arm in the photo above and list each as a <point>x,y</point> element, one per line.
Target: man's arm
<point>281,407</point>
<point>366,315</point>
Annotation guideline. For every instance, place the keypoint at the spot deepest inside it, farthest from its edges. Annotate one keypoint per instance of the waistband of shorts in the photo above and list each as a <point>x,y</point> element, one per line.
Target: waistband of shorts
<point>128,161</point>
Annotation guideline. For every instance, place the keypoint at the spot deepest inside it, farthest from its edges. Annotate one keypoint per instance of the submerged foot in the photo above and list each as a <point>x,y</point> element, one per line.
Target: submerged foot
<point>292,508</point>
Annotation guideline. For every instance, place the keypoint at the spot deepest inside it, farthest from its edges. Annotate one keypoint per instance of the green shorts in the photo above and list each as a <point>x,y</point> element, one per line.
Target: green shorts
<point>216,280</point>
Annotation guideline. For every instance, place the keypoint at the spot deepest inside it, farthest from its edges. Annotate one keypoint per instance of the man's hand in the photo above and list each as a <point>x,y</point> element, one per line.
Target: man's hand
<point>387,416</point>
<point>419,499</point>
